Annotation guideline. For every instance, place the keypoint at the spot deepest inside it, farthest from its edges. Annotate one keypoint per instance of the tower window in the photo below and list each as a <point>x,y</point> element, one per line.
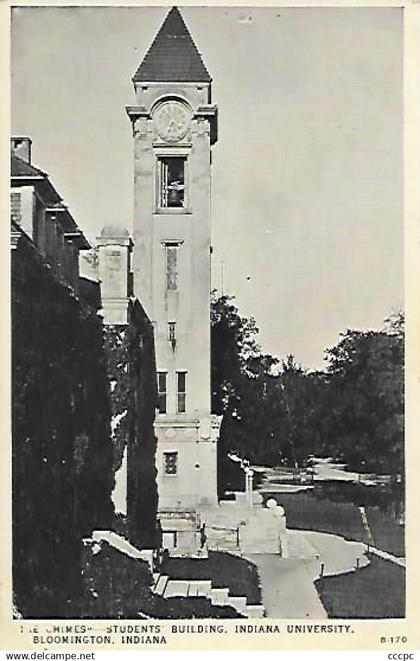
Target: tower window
<point>172,331</point>
<point>161,379</point>
<point>171,267</point>
<point>170,463</point>
<point>171,170</point>
<point>181,391</point>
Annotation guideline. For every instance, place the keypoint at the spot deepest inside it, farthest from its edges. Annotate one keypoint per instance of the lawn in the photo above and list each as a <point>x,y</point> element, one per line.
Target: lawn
<point>334,508</point>
<point>376,591</point>
<point>306,511</point>
<point>387,534</point>
<point>224,570</point>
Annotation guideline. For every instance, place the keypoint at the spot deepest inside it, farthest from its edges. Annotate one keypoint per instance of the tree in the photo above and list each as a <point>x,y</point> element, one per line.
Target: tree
<point>300,402</point>
<point>269,416</point>
<point>352,411</point>
<point>233,343</point>
<point>366,390</point>
<point>241,381</point>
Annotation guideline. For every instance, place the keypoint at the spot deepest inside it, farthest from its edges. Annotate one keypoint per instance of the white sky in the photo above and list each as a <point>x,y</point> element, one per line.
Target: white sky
<point>307,173</point>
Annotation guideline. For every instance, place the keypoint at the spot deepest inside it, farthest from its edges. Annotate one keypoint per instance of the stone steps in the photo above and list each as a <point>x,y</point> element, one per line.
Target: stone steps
<point>255,611</point>
<point>160,585</point>
<point>176,589</point>
<point>199,589</point>
<point>239,604</point>
<point>168,588</point>
<point>219,596</point>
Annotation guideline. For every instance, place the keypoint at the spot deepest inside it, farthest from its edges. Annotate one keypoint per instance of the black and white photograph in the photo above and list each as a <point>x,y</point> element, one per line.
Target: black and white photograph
<point>207,318</point>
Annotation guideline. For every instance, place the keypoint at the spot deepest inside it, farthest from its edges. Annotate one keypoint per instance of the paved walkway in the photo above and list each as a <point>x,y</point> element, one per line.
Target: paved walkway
<point>338,555</point>
<point>325,469</point>
<point>287,586</point>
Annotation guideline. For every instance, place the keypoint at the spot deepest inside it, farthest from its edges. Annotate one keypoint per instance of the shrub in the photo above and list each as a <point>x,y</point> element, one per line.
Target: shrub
<point>62,455</point>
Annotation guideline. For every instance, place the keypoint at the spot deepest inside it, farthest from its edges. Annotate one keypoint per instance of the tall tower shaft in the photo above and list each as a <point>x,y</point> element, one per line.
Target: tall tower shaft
<point>174,127</point>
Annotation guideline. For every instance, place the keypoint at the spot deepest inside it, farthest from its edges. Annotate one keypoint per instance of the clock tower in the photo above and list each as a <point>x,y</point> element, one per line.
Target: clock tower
<point>174,128</point>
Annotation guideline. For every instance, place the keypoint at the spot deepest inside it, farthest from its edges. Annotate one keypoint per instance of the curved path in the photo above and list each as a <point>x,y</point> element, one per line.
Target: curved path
<point>287,584</point>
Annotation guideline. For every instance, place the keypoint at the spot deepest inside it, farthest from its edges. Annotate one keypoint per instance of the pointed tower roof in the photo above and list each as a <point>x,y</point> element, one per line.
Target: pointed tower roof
<point>173,56</point>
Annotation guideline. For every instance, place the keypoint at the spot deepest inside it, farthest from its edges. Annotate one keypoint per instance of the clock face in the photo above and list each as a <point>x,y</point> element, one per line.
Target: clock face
<point>172,120</point>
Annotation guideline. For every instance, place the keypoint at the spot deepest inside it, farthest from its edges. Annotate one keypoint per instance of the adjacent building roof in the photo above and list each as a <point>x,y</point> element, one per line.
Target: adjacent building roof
<point>173,56</point>
<point>23,173</point>
<point>20,168</point>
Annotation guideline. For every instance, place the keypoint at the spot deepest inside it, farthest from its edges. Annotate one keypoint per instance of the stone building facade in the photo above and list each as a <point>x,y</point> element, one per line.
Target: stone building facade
<point>38,211</point>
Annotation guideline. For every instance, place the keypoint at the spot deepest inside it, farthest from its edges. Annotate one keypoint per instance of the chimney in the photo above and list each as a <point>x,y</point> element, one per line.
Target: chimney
<point>21,147</point>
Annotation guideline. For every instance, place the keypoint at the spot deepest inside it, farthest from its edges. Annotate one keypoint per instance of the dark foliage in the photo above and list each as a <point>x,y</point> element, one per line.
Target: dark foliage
<point>239,377</point>
<point>232,343</point>
<point>131,367</point>
<point>271,413</point>
<point>281,415</point>
<point>62,455</point>
<point>365,393</point>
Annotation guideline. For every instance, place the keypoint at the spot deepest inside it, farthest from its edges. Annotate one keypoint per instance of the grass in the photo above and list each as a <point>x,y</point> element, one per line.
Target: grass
<point>224,570</point>
<point>334,508</point>
<point>376,592</point>
<point>305,511</point>
<point>387,534</point>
